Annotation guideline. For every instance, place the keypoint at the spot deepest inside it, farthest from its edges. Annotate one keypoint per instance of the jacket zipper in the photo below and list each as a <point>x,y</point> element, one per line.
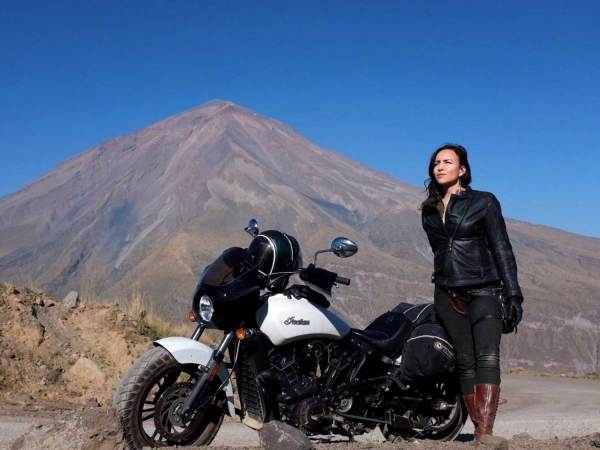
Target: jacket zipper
<point>451,238</point>
<point>445,214</point>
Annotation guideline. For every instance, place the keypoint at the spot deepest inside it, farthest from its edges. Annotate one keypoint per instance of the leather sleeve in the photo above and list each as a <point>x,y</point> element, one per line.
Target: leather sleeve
<point>429,237</point>
<point>499,245</point>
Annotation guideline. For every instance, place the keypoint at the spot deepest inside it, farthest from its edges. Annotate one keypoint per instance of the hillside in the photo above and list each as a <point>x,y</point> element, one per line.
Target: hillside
<point>53,354</point>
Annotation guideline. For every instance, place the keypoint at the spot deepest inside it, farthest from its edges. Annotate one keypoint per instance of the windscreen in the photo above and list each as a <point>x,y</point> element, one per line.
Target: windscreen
<point>225,268</point>
<point>226,280</point>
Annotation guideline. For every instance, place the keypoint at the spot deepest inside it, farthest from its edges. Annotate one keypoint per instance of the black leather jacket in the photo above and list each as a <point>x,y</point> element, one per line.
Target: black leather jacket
<point>472,247</point>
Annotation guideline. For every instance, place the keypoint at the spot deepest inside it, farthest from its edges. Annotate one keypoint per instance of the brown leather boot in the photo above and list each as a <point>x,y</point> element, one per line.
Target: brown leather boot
<point>473,413</point>
<point>487,397</point>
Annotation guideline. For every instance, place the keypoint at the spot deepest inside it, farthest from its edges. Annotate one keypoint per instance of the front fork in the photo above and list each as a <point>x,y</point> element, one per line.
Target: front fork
<point>209,372</point>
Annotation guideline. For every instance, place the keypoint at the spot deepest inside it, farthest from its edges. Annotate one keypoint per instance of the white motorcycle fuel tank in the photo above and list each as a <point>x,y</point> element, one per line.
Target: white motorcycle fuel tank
<point>284,320</point>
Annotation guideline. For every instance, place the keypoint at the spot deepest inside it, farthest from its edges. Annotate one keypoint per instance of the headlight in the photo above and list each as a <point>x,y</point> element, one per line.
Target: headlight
<point>206,308</point>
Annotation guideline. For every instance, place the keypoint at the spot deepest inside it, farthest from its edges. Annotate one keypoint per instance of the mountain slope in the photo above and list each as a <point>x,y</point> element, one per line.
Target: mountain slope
<point>150,209</point>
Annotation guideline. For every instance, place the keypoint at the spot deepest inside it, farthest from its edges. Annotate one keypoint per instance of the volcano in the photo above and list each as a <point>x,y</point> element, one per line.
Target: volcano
<point>145,212</point>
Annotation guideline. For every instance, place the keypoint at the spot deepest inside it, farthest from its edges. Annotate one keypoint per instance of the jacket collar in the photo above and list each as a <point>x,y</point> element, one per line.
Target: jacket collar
<point>432,201</point>
<point>463,195</point>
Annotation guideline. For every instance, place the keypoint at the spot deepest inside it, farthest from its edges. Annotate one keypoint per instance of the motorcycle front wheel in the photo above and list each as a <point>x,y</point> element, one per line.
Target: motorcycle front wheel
<point>153,388</point>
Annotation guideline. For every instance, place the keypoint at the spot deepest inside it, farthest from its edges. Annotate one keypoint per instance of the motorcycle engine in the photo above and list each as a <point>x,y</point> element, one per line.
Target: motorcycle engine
<point>298,370</point>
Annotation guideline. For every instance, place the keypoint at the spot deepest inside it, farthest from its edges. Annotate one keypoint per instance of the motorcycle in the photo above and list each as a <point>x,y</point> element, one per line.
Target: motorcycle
<point>292,360</point>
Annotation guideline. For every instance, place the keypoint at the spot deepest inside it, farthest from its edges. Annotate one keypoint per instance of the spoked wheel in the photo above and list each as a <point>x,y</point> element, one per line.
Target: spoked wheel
<point>447,426</point>
<point>150,396</point>
<point>444,425</point>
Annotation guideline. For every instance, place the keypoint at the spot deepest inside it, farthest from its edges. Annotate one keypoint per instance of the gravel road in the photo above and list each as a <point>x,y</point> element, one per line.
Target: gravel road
<point>543,407</point>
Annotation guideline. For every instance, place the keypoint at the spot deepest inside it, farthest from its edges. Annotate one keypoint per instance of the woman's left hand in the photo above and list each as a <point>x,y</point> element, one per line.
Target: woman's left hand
<point>513,310</point>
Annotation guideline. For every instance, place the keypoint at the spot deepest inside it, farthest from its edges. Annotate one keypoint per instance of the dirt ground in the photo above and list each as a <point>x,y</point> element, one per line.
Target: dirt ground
<point>59,367</point>
<point>95,428</point>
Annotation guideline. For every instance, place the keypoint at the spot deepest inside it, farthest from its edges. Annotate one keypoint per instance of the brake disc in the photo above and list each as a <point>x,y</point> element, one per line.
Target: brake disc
<point>169,423</point>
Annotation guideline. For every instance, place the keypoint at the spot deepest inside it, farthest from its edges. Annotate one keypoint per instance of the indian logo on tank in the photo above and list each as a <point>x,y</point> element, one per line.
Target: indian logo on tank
<point>293,321</point>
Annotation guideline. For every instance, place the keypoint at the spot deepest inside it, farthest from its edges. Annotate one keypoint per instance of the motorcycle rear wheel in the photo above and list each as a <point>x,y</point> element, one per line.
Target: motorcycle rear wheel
<point>446,430</point>
<point>145,399</point>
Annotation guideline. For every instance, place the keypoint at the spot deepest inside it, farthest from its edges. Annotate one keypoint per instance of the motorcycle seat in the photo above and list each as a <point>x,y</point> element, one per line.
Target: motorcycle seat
<point>388,344</point>
<point>388,333</point>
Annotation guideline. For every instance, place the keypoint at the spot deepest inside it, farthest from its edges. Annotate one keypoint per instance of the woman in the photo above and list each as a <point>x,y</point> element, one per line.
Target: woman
<point>474,268</point>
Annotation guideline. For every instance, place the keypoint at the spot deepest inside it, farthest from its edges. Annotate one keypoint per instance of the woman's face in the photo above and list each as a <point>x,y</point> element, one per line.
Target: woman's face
<point>446,168</point>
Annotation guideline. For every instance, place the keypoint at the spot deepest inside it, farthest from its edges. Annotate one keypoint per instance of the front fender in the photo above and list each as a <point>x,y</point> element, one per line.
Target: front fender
<point>189,351</point>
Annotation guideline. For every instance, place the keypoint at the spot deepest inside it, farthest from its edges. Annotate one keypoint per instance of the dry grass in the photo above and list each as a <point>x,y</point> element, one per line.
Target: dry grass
<point>151,324</point>
<point>148,322</point>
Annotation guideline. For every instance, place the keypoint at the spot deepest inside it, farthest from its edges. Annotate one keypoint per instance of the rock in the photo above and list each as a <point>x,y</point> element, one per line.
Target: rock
<point>15,302</point>
<point>53,376</point>
<point>374,436</point>
<point>277,435</point>
<point>71,300</point>
<point>522,436</point>
<point>493,442</point>
<point>86,372</point>
<point>24,398</point>
<point>44,301</point>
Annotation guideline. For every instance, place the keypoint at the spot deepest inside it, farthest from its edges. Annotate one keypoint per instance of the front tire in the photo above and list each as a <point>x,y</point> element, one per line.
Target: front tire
<point>149,391</point>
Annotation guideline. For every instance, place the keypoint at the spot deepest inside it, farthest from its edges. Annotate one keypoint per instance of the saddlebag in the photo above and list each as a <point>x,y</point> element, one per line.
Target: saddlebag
<point>417,342</point>
<point>427,353</point>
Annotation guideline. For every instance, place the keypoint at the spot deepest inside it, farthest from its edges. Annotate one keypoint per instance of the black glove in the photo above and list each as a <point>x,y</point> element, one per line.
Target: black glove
<point>297,291</point>
<point>512,308</point>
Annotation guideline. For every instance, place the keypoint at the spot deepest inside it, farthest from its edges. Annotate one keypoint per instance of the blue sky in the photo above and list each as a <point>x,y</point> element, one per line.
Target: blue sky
<point>383,82</point>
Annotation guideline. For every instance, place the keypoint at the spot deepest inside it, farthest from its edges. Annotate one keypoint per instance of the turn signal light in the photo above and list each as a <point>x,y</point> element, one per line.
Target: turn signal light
<point>241,334</point>
<point>191,316</point>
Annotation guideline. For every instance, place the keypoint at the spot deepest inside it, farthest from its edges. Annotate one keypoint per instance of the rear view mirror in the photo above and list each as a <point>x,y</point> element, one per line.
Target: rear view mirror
<point>343,247</point>
<point>252,227</point>
<point>340,246</point>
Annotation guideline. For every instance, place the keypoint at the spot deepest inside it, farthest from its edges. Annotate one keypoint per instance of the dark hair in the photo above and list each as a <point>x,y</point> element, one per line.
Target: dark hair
<point>432,187</point>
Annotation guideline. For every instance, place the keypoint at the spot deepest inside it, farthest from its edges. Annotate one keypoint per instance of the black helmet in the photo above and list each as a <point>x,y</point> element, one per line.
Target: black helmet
<point>273,251</point>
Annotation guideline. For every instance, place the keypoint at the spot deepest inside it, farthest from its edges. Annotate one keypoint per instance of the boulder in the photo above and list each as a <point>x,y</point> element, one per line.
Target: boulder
<point>71,300</point>
<point>277,435</point>
<point>86,372</point>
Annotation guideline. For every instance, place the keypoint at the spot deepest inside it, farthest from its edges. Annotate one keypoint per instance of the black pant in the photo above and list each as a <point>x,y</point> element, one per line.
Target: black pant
<point>474,335</point>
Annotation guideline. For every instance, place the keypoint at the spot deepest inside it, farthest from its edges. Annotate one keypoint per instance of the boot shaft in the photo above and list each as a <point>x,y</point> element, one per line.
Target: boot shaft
<point>472,408</point>
<point>487,397</point>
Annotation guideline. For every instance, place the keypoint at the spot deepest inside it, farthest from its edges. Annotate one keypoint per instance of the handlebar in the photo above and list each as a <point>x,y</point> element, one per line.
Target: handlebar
<point>325,279</point>
<point>342,280</point>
